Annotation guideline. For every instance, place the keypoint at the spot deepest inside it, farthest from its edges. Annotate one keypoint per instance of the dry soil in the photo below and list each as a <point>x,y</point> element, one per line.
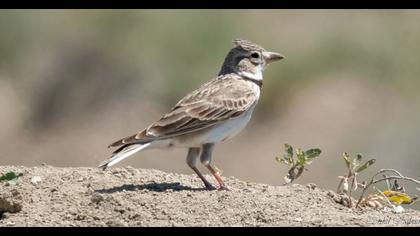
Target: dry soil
<point>51,196</point>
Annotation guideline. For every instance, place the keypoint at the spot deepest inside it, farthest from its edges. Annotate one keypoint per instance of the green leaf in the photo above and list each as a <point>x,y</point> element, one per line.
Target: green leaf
<point>9,176</point>
<point>288,155</point>
<point>357,161</point>
<point>283,160</point>
<point>300,154</point>
<point>13,181</point>
<point>312,153</point>
<point>289,151</point>
<point>366,165</point>
<point>347,159</point>
<point>301,159</point>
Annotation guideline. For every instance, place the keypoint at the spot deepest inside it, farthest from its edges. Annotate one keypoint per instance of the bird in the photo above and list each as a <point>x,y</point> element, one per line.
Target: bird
<point>214,112</point>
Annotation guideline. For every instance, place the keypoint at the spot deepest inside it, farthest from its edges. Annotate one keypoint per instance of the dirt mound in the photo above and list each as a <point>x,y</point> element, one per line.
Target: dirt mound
<point>51,196</point>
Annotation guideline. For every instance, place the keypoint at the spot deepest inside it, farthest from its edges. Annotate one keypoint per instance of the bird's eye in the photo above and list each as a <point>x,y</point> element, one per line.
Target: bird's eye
<point>255,55</point>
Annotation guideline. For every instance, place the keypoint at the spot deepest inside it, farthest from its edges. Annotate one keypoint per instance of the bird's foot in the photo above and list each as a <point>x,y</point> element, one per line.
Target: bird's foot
<point>209,187</point>
<point>224,188</point>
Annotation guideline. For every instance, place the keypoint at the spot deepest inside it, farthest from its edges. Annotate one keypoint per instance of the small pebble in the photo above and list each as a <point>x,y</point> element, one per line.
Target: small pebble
<point>36,179</point>
<point>97,198</point>
<point>330,193</point>
<point>14,192</point>
<point>311,186</point>
<point>398,209</point>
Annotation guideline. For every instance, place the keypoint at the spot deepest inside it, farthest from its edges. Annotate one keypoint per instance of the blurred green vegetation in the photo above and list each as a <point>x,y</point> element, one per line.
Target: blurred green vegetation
<point>180,49</point>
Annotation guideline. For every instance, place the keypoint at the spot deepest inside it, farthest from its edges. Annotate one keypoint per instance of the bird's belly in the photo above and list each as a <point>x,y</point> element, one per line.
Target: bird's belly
<point>215,133</point>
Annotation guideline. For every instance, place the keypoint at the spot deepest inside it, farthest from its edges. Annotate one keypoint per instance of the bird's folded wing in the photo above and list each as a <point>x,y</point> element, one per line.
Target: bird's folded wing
<point>218,100</point>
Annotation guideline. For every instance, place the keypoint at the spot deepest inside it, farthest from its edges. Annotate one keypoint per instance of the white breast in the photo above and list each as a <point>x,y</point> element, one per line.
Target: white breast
<point>229,128</point>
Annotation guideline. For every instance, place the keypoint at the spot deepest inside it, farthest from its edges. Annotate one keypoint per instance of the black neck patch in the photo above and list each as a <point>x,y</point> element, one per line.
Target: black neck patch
<point>257,82</point>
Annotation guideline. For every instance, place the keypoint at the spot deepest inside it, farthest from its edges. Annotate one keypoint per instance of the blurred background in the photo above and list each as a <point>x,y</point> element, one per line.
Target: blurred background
<point>73,81</point>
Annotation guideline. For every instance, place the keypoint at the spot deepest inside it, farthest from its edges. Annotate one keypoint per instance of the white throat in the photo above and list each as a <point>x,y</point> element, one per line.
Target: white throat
<point>258,75</point>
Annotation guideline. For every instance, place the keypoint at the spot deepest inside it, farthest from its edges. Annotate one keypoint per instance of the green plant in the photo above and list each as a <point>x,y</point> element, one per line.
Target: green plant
<point>11,177</point>
<point>393,196</point>
<point>297,163</point>
<point>349,183</point>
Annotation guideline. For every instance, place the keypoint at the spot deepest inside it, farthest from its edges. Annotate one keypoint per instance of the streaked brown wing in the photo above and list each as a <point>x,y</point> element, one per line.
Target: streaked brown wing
<point>218,100</point>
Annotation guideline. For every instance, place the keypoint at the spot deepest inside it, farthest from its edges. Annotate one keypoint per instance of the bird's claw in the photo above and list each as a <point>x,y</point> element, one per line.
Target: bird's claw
<point>210,187</point>
<point>224,188</point>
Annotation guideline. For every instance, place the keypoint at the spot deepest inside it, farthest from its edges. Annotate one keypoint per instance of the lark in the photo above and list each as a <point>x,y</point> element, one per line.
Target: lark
<point>216,111</point>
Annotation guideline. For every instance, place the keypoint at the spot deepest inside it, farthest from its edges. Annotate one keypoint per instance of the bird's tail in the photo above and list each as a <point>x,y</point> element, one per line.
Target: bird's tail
<point>122,154</point>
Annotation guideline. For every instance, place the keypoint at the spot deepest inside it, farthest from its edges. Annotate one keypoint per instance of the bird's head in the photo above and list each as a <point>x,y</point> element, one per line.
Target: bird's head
<point>248,59</point>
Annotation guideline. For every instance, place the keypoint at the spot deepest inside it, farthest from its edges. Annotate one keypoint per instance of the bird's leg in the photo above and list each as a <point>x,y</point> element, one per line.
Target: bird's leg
<point>205,158</point>
<point>216,175</point>
<point>192,156</point>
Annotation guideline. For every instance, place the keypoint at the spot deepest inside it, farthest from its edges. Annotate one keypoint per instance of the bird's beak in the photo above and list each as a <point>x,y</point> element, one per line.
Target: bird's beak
<point>272,56</point>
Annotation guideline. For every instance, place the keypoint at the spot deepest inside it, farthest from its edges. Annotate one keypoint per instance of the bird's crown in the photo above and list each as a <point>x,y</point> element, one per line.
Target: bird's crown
<point>247,45</point>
